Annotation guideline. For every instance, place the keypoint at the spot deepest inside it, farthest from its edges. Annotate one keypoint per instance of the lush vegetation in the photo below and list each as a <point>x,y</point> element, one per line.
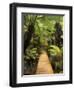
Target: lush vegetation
<point>43,32</point>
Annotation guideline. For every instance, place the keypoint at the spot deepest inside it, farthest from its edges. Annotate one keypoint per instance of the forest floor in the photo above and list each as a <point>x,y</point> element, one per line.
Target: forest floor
<point>44,64</point>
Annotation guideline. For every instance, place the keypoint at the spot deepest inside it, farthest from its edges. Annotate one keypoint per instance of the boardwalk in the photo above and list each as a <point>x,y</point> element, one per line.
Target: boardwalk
<point>44,65</point>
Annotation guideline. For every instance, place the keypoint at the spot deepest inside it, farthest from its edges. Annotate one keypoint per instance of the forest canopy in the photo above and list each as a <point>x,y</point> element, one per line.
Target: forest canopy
<point>42,33</point>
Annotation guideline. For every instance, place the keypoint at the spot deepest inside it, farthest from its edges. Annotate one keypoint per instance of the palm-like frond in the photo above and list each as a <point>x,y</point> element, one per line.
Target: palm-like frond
<point>55,50</point>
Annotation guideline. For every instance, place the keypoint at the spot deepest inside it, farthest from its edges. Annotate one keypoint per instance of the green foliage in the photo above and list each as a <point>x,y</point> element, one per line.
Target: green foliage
<point>55,50</point>
<point>31,53</point>
<point>44,38</point>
